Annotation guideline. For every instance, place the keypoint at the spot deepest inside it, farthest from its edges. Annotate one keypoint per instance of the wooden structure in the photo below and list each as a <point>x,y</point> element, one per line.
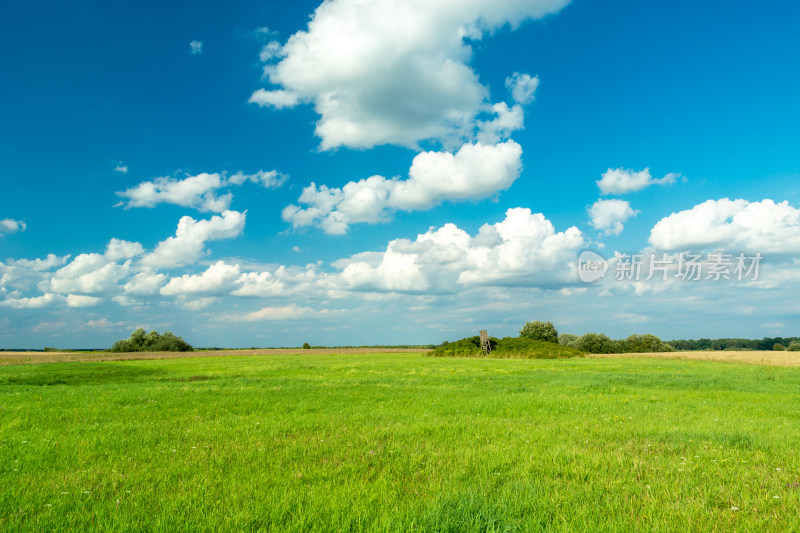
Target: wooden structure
<point>486,346</point>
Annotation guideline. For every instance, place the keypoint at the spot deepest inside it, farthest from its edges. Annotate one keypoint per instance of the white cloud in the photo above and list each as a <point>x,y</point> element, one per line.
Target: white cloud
<point>121,168</point>
<point>733,225</point>
<point>278,99</point>
<point>387,72</point>
<point>93,273</point>
<point>198,304</point>
<point>193,191</point>
<point>145,284</point>
<point>217,279</point>
<point>523,87</point>
<point>507,120</point>
<point>23,274</point>
<point>89,274</point>
<point>270,51</point>
<point>268,179</point>
<point>523,250</point>
<point>196,47</point>
<point>9,226</point>
<point>103,323</point>
<point>476,171</point>
<point>260,284</point>
<point>289,312</point>
<point>188,244</point>
<point>282,282</point>
<point>39,265</point>
<point>80,300</point>
<point>198,192</point>
<point>118,249</point>
<point>610,215</point>
<point>621,180</point>
<point>35,302</point>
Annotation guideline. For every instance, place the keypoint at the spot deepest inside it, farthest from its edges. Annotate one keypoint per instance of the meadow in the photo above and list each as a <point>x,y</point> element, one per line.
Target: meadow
<point>398,442</point>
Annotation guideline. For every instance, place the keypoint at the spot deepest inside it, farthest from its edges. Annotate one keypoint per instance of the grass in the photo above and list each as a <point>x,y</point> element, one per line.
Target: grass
<point>16,358</point>
<point>399,442</point>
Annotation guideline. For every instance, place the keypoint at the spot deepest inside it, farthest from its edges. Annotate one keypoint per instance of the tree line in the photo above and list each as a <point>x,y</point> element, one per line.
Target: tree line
<point>767,343</point>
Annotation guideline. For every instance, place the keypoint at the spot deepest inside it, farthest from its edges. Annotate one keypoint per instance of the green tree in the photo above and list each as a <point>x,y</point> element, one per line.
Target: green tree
<point>151,340</point>
<point>124,346</point>
<point>778,347</point>
<point>140,341</point>
<point>644,343</point>
<point>540,331</point>
<point>567,339</point>
<point>306,346</point>
<point>137,339</point>
<point>794,346</point>
<point>594,343</point>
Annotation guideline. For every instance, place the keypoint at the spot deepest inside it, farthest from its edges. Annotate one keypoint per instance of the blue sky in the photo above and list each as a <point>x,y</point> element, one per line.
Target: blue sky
<point>486,126</point>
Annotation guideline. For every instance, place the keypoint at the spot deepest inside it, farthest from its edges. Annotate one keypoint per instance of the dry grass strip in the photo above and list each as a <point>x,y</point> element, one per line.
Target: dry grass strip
<point>23,358</point>
<point>768,358</point>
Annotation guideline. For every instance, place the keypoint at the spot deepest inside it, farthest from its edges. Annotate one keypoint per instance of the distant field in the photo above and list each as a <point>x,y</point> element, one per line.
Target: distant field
<point>399,442</point>
<point>772,358</point>
<point>16,358</point>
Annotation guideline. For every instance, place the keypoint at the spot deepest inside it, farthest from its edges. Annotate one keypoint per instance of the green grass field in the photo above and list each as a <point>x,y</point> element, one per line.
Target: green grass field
<point>399,442</point>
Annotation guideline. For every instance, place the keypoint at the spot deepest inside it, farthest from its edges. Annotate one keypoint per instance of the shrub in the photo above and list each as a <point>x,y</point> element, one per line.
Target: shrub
<point>778,347</point>
<point>794,346</point>
<point>505,347</point>
<point>306,346</point>
<point>534,349</point>
<point>124,346</point>
<point>616,346</point>
<point>644,343</point>
<point>567,339</point>
<point>540,331</point>
<point>140,341</point>
<point>467,347</point>
<point>594,343</point>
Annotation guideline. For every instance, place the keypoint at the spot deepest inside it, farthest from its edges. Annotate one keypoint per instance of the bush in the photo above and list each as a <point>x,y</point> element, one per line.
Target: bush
<point>567,339</point>
<point>616,346</point>
<point>794,346</point>
<point>306,346</point>
<point>534,349</point>
<point>467,347</point>
<point>594,343</point>
<point>644,344</point>
<point>506,347</point>
<point>140,341</point>
<point>540,331</point>
<point>778,347</point>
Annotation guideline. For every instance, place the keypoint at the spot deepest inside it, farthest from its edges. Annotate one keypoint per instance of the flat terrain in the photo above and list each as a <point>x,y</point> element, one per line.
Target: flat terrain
<point>16,358</point>
<point>399,442</point>
<point>771,358</point>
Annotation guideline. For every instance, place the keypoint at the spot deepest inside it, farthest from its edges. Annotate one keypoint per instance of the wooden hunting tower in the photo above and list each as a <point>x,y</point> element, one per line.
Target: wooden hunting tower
<point>486,346</point>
